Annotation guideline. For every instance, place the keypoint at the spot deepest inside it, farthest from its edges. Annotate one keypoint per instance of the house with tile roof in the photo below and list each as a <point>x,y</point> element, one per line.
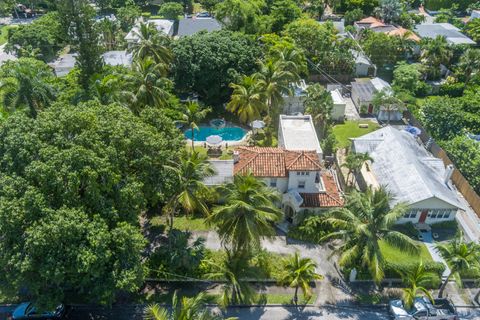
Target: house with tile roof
<point>376,25</point>
<point>297,174</point>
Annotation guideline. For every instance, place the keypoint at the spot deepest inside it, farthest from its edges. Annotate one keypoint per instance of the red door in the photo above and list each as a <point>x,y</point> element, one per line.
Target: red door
<point>423,216</point>
<point>370,108</point>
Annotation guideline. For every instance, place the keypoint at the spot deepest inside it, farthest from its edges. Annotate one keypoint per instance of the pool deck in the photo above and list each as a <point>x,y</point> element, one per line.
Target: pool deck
<point>225,143</point>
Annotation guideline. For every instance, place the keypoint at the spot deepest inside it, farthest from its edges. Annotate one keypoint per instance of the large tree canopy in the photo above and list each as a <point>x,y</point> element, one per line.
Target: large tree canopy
<point>72,184</point>
<point>207,63</point>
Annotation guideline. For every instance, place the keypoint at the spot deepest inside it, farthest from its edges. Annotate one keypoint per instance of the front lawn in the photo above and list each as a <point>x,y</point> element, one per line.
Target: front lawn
<point>350,129</point>
<point>395,256</point>
<point>182,223</point>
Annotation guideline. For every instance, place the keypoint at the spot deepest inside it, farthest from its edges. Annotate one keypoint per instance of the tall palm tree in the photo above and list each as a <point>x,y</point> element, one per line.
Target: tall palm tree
<point>26,83</point>
<point>148,85</point>
<point>319,105</point>
<point>469,64</point>
<point>247,101</point>
<point>298,274</point>
<point>354,162</point>
<point>363,223</point>
<point>459,256</point>
<point>109,31</point>
<point>234,270</point>
<point>274,82</point>
<point>193,113</point>
<point>190,191</point>
<point>294,60</point>
<point>185,309</point>
<point>248,213</point>
<point>388,102</point>
<point>434,53</point>
<point>415,280</point>
<point>151,43</point>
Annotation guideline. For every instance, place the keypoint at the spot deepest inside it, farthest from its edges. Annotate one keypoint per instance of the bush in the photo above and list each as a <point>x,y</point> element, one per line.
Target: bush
<point>407,229</point>
<point>452,89</point>
<point>171,10</point>
<point>353,16</point>
<point>392,271</point>
<point>311,228</point>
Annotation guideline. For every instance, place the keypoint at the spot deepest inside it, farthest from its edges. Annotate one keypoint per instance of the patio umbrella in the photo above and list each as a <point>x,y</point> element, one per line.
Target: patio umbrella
<point>214,139</point>
<point>257,124</point>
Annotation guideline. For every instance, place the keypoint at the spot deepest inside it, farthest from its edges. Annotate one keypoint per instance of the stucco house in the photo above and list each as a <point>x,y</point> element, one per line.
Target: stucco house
<point>297,175</point>
<point>410,173</point>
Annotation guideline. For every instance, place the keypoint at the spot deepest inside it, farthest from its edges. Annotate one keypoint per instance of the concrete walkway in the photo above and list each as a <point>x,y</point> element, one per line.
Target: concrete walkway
<point>428,242</point>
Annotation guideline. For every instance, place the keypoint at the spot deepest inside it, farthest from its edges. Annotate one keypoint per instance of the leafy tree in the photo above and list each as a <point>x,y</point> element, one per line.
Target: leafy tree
<point>185,309</point>
<point>366,220</point>
<point>387,101</point>
<point>193,113</point>
<point>319,105</point>
<point>26,83</point>
<point>206,63</point>
<point>73,182</point>
<point>42,36</point>
<point>315,8</point>
<point>353,16</point>
<point>110,33</point>
<point>171,10</point>
<point>248,213</point>
<point>77,18</point>
<point>240,15</point>
<point>127,15</point>
<point>298,274</point>
<point>367,6</point>
<point>151,43</point>
<point>209,5</point>
<point>459,256</point>
<point>283,49</point>
<point>190,191</point>
<point>473,29</point>
<point>416,281</point>
<point>247,100</point>
<point>284,12</point>
<point>435,52</point>
<point>354,162</point>
<point>390,10</point>
<point>469,64</point>
<point>407,77</point>
<point>383,49</point>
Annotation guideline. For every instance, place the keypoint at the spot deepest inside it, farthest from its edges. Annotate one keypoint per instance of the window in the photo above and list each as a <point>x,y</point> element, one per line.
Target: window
<point>273,182</point>
<point>411,214</point>
<point>301,184</point>
<point>446,215</point>
<point>307,173</point>
<point>298,173</point>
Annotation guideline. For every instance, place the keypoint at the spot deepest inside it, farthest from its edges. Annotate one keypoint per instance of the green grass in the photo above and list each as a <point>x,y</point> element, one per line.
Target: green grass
<point>394,255</point>
<point>350,129</point>
<point>285,298</point>
<point>226,153</point>
<point>182,223</point>
<point>4,34</point>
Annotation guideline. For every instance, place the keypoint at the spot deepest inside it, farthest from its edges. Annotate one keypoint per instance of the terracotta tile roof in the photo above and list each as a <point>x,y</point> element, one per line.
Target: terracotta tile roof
<point>401,32</point>
<point>369,20</point>
<point>377,24</point>
<point>328,199</point>
<point>274,162</point>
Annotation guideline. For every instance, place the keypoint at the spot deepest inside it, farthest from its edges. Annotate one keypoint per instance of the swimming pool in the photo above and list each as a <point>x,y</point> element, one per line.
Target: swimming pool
<point>229,133</point>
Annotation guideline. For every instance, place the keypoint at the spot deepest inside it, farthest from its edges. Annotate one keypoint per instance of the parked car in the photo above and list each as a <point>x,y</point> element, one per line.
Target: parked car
<point>423,309</point>
<point>27,311</point>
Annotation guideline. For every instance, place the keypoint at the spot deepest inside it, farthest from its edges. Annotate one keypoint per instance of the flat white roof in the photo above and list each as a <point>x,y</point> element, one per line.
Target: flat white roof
<point>337,97</point>
<point>299,133</point>
<point>162,25</point>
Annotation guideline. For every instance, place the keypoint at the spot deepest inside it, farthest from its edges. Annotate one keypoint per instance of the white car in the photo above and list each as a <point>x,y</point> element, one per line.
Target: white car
<point>424,309</point>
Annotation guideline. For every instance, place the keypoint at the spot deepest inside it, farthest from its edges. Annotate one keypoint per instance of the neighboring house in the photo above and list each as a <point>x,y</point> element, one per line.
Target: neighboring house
<point>294,104</point>
<point>190,26</point>
<point>297,133</point>
<point>410,173</point>
<point>162,25</point>
<point>377,25</point>
<point>223,172</point>
<point>451,33</point>
<point>339,105</point>
<point>363,92</point>
<point>363,66</point>
<point>297,175</point>
<point>66,62</point>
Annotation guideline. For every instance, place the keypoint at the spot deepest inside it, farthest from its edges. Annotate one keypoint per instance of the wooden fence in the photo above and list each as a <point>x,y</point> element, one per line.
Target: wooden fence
<point>457,178</point>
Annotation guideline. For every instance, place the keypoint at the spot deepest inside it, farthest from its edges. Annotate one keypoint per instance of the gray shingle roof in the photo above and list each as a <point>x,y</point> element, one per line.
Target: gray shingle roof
<point>450,32</point>
<point>189,26</point>
<point>407,170</point>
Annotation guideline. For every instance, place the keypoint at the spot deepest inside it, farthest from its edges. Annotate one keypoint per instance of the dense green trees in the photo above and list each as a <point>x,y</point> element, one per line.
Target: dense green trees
<point>71,181</point>
<point>435,52</point>
<point>171,10</point>
<point>408,77</point>
<point>241,15</point>
<point>319,105</point>
<point>384,49</point>
<point>207,63</point>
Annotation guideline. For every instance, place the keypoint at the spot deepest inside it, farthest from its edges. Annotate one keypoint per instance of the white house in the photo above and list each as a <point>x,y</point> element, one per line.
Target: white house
<point>297,175</point>
<point>298,133</point>
<point>162,25</point>
<point>410,173</point>
<point>339,105</point>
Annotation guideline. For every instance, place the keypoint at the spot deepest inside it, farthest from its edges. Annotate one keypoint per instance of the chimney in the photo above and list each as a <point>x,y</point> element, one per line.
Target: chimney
<point>448,173</point>
<point>236,156</point>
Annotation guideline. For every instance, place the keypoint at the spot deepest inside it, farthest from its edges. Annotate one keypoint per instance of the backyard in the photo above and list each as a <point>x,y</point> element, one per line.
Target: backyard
<point>350,129</point>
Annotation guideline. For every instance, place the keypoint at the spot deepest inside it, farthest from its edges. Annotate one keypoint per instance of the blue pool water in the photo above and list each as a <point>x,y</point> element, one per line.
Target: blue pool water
<point>227,133</point>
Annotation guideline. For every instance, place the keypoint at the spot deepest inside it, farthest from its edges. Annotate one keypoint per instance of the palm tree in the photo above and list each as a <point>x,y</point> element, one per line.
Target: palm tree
<point>294,60</point>
<point>469,64</point>
<point>434,53</point>
<point>386,101</point>
<point>234,270</point>
<point>473,29</point>
<point>459,256</point>
<point>247,101</point>
<point>415,280</point>
<point>274,82</point>
<point>109,31</point>
<point>148,85</point>
<point>190,190</point>
<point>319,105</point>
<point>192,114</point>
<point>248,213</point>
<point>151,43</point>
<point>354,162</point>
<point>299,273</point>
<point>184,309</point>
<point>364,222</point>
<point>27,83</point>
